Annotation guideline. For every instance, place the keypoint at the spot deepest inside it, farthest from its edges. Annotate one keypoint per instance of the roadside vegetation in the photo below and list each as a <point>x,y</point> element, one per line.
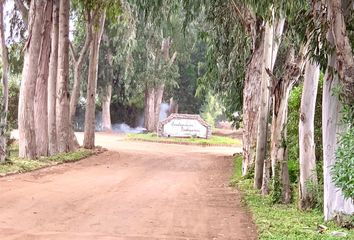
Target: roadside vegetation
<point>279,221</point>
<point>212,141</point>
<point>15,164</point>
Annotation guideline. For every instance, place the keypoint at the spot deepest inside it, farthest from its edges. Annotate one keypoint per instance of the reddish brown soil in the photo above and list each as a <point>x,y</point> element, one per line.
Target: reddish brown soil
<point>136,190</point>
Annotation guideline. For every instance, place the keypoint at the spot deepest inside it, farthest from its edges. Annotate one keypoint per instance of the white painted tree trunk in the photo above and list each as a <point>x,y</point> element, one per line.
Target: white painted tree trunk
<point>97,30</point>
<point>264,106</point>
<point>306,134</point>
<point>52,82</point>
<point>5,88</point>
<point>26,124</point>
<point>41,95</point>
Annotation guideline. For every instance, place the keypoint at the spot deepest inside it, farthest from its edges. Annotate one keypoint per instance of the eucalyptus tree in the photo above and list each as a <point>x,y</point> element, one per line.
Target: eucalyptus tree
<point>62,101</point>
<point>85,14</point>
<point>97,31</point>
<point>52,81</point>
<point>26,121</point>
<point>102,9</point>
<point>41,96</point>
<point>306,135</point>
<point>340,38</point>
<point>154,34</point>
<point>4,100</point>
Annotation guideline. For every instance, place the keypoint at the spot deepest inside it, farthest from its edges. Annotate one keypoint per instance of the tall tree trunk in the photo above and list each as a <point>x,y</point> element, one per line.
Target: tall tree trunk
<point>5,87</point>
<point>41,95</point>
<point>26,124</point>
<point>334,201</point>
<point>272,39</point>
<point>159,90</point>
<point>97,30</point>
<point>107,92</point>
<point>343,46</point>
<point>78,61</point>
<point>52,82</point>
<point>279,155</point>
<point>62,104</point>
<point>306,134</point>
<point>149,111</point>
<point>106,108</point>
<point>342,61</point>
<point>263,107</point>
<point>251,103</point>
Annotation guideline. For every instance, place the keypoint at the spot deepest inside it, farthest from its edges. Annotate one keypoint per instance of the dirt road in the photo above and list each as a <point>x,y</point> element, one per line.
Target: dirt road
<point>134,191</point>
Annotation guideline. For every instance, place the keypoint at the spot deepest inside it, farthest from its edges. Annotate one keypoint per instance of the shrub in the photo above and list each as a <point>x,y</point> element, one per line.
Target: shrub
<point>343,169</point>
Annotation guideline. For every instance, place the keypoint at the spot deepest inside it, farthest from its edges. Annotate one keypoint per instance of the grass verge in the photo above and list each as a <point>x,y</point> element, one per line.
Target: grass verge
<point>19,165</point>
<point>280,221</point>
<point>213,140</point>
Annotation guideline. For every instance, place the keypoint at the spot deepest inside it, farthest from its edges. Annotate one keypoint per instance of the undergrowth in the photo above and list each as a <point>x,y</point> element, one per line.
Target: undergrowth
<point>213,140</point>
<point>277,221</point>
<point>14,164</point>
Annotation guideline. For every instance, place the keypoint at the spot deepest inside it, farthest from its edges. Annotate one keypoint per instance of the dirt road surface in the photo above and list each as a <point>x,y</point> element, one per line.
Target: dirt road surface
<point>136,190</point>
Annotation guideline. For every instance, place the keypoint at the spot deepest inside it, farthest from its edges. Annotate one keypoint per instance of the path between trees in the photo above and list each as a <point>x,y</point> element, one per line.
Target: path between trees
<point>136,190</point>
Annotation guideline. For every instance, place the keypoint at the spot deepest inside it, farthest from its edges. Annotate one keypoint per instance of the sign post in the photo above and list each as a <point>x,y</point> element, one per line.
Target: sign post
<point>184,125</point>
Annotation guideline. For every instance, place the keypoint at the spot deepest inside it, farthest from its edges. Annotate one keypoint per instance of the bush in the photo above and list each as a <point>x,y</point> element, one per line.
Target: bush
<point>212,110</point>
<point>343,169</point>
<point>14,93</point>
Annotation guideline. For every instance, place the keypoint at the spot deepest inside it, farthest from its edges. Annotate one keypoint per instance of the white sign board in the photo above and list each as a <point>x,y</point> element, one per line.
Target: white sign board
<point>185,128</point>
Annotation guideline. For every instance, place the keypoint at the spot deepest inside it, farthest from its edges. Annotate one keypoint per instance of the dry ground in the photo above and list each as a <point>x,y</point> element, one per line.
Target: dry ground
<point>135,190</point>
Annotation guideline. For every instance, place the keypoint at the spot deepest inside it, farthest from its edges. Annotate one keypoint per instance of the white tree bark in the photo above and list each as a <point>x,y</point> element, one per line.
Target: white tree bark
<point>264,106</point>
<point>41,95</point>
<point>306,133</point>
<point>251,101</point>
<point>272,39</point>
<point>26,124</point>
<point>89,134</point>
<point>342,61</point>
<point>5,88</point>
<point>52,82</point>
<point>106,108</point>
<point>62,104</point>
<point>334,201</point>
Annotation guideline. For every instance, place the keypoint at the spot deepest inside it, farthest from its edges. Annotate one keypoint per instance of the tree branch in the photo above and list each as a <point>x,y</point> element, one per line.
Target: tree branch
<point>72,51</point>
<point>23,9</point>
<point>88,38</point>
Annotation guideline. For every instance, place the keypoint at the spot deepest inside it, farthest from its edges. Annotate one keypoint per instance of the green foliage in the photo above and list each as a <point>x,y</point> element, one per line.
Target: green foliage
<point>14,92</point>
<point>19,165</point>
<point>276,193</point>
<point>316,191</point>
<point>343,169</point>
<point>213,140</point>
<point>280,221</point>
<point>293,132</point>
<point>212,109</point>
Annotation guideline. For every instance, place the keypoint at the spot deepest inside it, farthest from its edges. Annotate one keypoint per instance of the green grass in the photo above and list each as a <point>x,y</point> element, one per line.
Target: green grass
<point>19,165</point>
<point>213,140</point>
<point>280,221</point>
